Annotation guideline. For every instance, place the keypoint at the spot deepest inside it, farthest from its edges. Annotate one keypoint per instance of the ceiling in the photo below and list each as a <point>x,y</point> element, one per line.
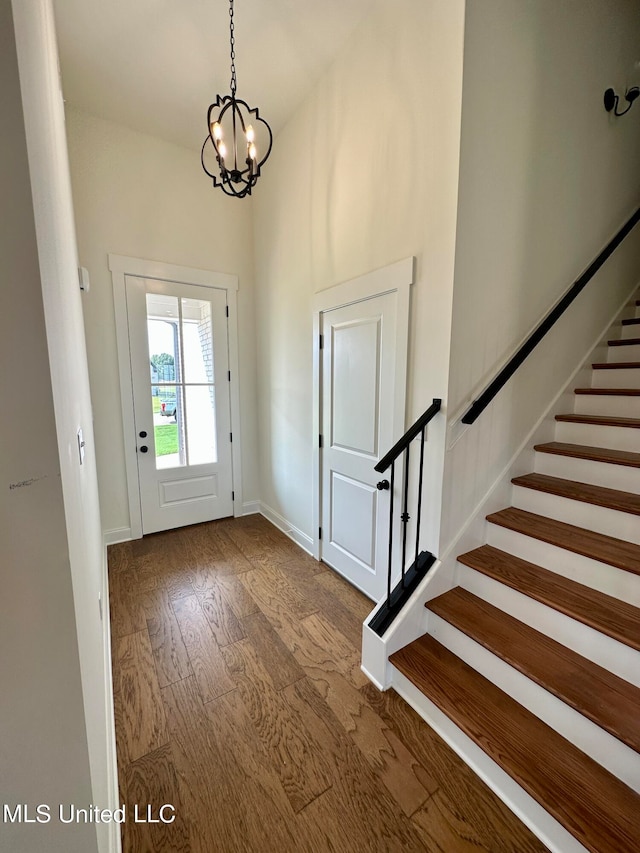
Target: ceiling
<point>156,65</point>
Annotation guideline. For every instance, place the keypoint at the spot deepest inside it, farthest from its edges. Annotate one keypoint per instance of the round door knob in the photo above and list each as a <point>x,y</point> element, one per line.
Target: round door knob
<point>144,448</point>
<point>143,434</point>
<point>383,484</point>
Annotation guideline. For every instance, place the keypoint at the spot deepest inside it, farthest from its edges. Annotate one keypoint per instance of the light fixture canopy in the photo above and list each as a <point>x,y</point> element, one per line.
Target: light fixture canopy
<point>236,133</point>
<point>611,100</point>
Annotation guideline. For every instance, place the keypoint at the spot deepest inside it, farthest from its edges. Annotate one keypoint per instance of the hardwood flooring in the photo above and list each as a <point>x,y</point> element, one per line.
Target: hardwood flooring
<point>240,701</point>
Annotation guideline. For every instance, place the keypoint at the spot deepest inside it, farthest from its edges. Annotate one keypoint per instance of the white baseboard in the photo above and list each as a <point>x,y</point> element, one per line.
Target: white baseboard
<point>294,533</point>
<point>381,687</point>
<point>250,507</point>
<point>119,534</point>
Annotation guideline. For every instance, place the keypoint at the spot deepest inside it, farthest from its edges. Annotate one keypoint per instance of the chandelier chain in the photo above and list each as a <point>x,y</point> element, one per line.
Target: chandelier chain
<point>232,42</point>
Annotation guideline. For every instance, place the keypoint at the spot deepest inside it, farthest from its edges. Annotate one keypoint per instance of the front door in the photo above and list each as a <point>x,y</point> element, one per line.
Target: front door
<point>358,384</point>
<point>179,365</point>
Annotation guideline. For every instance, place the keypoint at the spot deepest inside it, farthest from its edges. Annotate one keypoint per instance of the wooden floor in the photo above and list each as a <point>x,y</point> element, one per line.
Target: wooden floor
<point>240,701</point>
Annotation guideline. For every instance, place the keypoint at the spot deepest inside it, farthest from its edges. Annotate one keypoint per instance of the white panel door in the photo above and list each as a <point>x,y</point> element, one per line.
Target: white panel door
<point>358,375</point>
<point>179,366</point>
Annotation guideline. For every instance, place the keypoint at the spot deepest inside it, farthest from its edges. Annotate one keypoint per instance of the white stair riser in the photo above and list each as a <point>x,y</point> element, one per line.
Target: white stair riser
<point>606,406</point>
<point>553,835</point>
<point>592,573</point>
<point>587,736</point>
<point>586,471</point>
<point>595,435</point>
<point>599,648</point>
<point>610,522</point>
<point>621,378</point>
<point>628,352</point>
<point>630,331</point>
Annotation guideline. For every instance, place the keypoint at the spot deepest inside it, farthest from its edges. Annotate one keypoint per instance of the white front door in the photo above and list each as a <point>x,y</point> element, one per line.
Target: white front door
<point>358,368</point>
<point>178,347</point>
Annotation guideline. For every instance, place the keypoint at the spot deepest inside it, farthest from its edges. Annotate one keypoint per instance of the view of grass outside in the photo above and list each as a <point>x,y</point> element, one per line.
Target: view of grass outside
<point>156,405</point>
<point>166,437</point>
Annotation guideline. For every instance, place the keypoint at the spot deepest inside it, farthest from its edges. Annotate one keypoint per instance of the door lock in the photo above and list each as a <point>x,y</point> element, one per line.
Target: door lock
<point>144,448</point>
<point>143,434</point>
<point>383,484</point>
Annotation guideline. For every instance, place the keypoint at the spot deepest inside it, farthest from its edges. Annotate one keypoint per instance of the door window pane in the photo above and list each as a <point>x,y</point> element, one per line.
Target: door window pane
<point>201,424</point>
<point>168,429</point>
<point>163,332</point>
<point>180,335</point>
<point>197,337</point>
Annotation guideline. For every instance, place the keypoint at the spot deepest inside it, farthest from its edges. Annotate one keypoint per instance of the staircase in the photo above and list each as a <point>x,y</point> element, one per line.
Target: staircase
<point>535,655</point>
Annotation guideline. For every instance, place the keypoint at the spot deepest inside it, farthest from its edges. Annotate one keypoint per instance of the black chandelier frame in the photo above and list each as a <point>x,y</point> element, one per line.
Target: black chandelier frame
<point>239,169</point>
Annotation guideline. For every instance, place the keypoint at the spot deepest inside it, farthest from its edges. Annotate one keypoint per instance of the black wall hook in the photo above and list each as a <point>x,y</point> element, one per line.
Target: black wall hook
<point>611,100</point>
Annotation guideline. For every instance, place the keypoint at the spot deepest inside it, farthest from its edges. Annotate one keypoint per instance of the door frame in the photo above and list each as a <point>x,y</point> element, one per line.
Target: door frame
<point>397,277</point>
<point>122,266</point>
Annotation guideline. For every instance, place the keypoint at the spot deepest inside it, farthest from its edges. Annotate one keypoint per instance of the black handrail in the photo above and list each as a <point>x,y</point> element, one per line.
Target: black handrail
<point>408,437</point>
<point>412,575</point>
<point>543,327</point>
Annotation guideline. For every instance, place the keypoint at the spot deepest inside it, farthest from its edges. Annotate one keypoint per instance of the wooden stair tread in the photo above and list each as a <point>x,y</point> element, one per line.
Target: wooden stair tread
<point>620,365</point>
<point>596,807</point>
<point>594,454</point>
<point>603,613</point>
<point>607,700</point>
<point>584,492</point>
<point>605,549</point>
<point>632,321</point>
<point>600,420</point>
<point>610,392</point>
<point>624,342</point>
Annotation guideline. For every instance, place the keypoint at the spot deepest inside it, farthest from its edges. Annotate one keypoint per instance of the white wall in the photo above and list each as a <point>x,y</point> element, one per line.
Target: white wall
<point>546,178</point>
<point>139,196</point>
<point>365,173</point>
<point>52,744</point>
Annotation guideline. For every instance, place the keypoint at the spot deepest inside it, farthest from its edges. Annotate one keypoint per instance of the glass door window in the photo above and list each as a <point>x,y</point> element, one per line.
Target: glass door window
<point>182,380</point>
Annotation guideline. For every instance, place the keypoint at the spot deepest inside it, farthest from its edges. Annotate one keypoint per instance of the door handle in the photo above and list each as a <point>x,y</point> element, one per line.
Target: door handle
<point>144,448</point>
<point>383,484</point>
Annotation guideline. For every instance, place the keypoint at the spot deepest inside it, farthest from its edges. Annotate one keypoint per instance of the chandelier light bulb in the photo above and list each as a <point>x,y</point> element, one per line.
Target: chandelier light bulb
<point>216,131</point>
<point>251,134</point>
<point>222,150</point>
<point>252,151</point>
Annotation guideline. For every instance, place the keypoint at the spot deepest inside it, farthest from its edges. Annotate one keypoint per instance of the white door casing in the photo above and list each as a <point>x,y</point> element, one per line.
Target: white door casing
<point>360,412</point>
<point>183,494</point>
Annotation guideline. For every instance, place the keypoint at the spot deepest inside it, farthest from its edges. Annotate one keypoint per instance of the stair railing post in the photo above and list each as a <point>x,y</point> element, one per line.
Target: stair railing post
<point>420,479</point>
<point>391,500</point>
<point>405,515</point>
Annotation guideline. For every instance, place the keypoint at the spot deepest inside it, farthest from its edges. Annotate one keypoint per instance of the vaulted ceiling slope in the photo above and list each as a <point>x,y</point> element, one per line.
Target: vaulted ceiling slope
<point>156,65</point>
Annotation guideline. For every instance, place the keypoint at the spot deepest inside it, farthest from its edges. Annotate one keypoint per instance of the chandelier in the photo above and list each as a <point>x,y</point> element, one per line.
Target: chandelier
<point>236,134</point>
